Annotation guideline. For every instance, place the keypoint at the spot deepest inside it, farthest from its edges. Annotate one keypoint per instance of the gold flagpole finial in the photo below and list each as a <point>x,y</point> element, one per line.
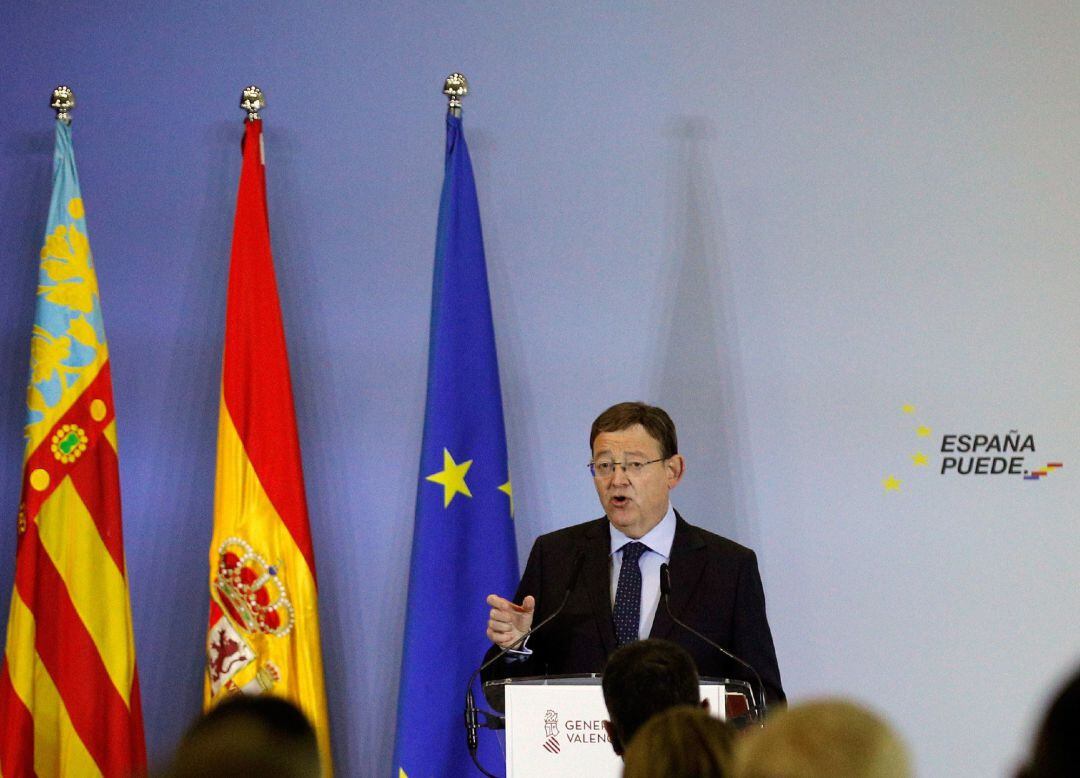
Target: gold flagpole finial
<point>455,87</point>
<point>252,100</point>
<point>63,100</point>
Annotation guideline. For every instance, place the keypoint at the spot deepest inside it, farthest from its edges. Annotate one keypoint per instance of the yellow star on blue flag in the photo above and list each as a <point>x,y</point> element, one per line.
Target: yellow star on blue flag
<point>452,478</point>
<point>508,490</point>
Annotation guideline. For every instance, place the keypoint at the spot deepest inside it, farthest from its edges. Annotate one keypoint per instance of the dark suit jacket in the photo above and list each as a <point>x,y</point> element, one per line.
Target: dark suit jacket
<point>715,588</point>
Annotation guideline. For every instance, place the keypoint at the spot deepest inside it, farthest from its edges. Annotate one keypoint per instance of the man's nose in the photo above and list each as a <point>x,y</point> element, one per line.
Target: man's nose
<point>620,474</point>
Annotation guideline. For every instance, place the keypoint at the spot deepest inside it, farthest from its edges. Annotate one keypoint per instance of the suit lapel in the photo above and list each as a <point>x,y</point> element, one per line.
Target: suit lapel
<point>597,578</point>
<point>686,565</point>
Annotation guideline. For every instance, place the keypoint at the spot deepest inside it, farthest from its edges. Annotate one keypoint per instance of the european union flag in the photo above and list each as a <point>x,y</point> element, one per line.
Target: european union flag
<point>463,539</point>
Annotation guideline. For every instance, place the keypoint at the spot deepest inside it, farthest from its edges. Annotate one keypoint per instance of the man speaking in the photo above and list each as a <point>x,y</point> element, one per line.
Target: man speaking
<point>615,597</point>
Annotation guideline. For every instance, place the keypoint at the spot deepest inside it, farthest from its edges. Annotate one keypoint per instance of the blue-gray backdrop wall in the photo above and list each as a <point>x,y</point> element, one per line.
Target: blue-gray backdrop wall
<point>782,221</point>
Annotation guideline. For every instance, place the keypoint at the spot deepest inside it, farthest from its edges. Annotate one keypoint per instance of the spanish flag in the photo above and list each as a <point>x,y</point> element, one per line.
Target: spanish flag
<point>263,633</point>
<point>69,689</point>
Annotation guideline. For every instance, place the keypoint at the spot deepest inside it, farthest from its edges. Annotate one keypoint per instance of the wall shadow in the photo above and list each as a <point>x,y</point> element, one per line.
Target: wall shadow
<point>168,459</point>
<point>524,437</point>
<point>698,377</point>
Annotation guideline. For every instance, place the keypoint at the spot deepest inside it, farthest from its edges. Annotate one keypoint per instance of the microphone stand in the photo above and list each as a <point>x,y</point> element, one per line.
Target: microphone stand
<point>665,594</point>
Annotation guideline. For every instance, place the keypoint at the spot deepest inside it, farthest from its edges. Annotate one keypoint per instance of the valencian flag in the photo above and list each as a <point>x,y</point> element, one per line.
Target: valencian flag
<point>263,634</point>
<point>463,538</point>
<point>69,689</point>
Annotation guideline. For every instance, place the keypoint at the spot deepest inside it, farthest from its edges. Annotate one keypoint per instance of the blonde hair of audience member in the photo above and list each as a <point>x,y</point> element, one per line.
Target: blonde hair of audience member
<point>830,737</point>
<point>681,741</point>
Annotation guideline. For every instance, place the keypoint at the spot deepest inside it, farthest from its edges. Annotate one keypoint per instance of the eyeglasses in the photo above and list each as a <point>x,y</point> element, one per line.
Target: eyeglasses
<point>606,467</point>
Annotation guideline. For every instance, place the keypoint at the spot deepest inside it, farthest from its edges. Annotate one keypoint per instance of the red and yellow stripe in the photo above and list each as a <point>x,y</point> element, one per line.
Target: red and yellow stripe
<point>69,686</point>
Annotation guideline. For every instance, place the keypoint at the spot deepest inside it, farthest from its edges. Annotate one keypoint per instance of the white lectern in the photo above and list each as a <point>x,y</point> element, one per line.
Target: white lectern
<point>554,723</point>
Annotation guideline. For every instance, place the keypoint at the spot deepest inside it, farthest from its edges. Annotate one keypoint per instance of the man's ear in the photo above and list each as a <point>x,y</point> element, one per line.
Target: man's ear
<point>613,736</point>
<point>676,467</point>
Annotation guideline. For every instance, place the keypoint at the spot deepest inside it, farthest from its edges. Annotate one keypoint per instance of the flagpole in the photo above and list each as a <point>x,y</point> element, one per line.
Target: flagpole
<point>252,100</point>
<point>455,87</point>
<point>69,684</point>
<point>63,100</point>
<point>263,624</point>
<point>463,546</point>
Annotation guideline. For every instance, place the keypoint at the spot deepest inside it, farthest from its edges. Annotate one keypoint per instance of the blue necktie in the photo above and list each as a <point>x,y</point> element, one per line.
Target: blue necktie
<point>627,610</point>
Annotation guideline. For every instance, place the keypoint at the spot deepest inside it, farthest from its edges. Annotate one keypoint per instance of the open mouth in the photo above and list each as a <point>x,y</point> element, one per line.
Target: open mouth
<point>620,500</point>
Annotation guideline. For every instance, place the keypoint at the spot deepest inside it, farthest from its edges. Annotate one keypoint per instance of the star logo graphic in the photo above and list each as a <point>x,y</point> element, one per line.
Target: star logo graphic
<point>890,482</point>
<point>452,478</point>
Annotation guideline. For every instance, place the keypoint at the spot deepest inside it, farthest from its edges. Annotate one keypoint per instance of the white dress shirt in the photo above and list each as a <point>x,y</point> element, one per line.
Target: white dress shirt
<point>658,541</point>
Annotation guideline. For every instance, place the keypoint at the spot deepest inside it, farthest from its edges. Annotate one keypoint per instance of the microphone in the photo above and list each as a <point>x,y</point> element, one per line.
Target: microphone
<point>472,724</point>
<point>665,595</point>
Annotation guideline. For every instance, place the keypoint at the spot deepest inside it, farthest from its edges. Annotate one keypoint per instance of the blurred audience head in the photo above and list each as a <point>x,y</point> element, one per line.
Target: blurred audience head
<point>822,739</point>
<point>246,736</point>
<point>681,741</point>
<point>1057,744</point>
<point>642,679</point>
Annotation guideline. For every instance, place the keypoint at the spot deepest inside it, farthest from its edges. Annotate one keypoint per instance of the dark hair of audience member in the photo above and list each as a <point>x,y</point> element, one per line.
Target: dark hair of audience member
<point>822,739</point>
<point>1056,752</point>
<point>681,741</point>
<point>642,679</point>
<point>245,736</point>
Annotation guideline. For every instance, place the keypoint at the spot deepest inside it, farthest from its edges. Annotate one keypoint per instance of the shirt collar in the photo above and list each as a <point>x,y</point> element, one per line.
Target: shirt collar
<point>658,539</point>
